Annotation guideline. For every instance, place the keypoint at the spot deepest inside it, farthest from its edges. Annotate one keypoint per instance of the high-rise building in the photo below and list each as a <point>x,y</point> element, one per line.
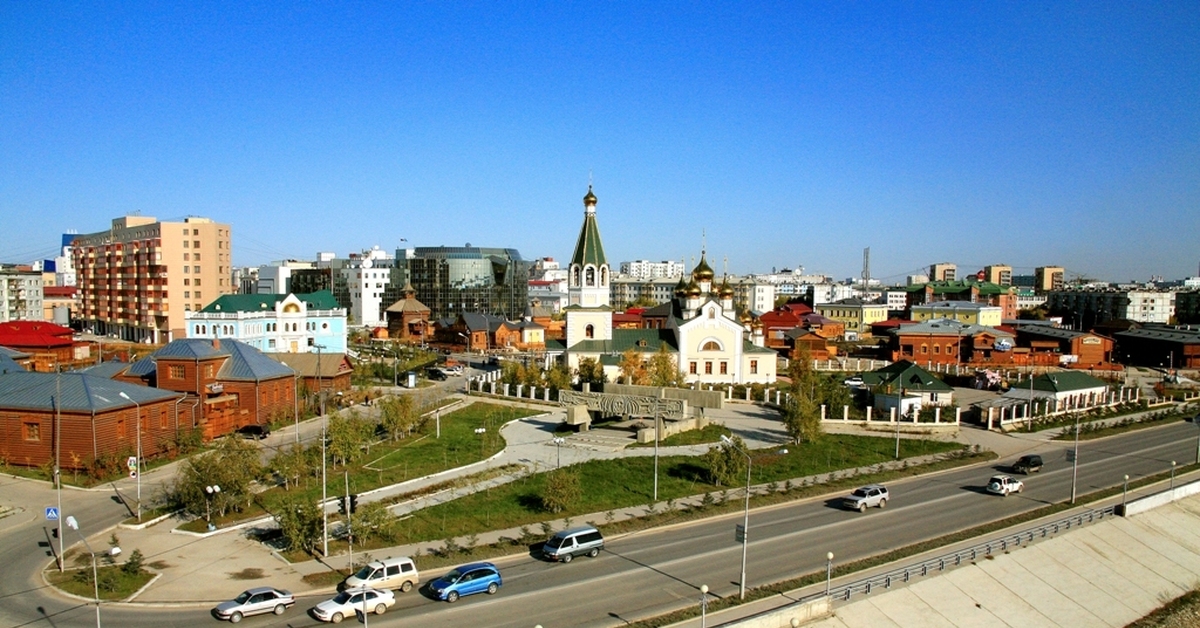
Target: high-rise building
<point>999,274</point>
<point>645,269</point>
<point>453,280</point>
<point>20,295</point>
<point>138,278</point>
<point>1047,278</point>
<point>944,271</point>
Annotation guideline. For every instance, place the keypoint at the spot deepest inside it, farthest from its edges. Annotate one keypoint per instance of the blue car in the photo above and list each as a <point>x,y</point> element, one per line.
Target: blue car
<point>465,580</point>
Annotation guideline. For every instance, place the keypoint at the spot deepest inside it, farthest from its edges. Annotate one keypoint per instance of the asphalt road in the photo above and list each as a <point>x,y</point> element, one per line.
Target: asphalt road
<point>651,572</point>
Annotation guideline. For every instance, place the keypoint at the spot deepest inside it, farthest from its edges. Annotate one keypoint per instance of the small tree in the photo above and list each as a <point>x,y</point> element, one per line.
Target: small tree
<point>633,368</point>
<point>300,523</point>
<point>725,463</point>
<point>562,490</point>
<point>372,520</point>
<point>133,564</point>
<point>290,464</point>
<point>663,371</point>
<point>591,372</point>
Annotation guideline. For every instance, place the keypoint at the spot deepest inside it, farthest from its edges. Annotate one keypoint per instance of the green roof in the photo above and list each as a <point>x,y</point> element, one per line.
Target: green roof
<point>907,376</point>
<point>1066,381</point>
<point>643,340</point>
<point>322,300</point>
<point>986,288</point>
<point>589,249</point>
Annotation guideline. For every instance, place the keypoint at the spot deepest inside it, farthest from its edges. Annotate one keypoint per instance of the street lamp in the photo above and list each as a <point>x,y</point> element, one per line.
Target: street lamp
<point>137,467</point>
<point>703,605</point>
<point>558,442</point>
<point>746,517</point>
<point>74,525</point>
<point>209,493</point>
<point>324,427</point>
<point>1075,459</point>
<point>1124,494</point>
<point>656,424</point>
<point>1172,475</point>
<point>481,431</point>
<point>828,571</point>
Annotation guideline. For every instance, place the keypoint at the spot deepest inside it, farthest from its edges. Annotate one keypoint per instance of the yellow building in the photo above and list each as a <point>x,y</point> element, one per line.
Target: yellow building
<point>855,314</point>
<point>965,312</point>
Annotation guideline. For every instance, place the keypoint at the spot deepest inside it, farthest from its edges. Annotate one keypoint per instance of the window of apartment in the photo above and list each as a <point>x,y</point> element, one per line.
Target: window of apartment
<point>175,371</point>
<point>187,269</point>
<point>186,257</point>
<point>196,244</point>
<point>197,282</point>
<point>937,349</point>
<point>32,431</point>
<point>924,349</point>
<point>271,343</point>
<point>208,371</point>
<point>692,368</point>
<point>187,294</point>
<point>196,269</point>
<point>708,368</point>
<point>197,257</point>
<point>753,367</point>
<point>724,368</point>
<point>187,281</point>
<point>185,243</point>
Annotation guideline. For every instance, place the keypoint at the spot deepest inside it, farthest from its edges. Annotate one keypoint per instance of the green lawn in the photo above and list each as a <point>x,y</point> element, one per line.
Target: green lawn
<point>417,456</point>
<point>710,434</point>
<point>612,484</point>
<point>115,584</point>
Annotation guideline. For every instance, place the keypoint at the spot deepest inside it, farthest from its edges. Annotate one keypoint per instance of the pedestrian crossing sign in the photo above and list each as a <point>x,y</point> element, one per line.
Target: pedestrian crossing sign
<point>51,513</point>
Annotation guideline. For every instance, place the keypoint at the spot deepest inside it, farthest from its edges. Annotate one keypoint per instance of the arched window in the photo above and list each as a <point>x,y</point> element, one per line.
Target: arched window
<point>589,332</point>
<point>711,345</point>
<point>590,276</point>
<point>575,275</point>
<point>712,312</point>
<point>603,277</point>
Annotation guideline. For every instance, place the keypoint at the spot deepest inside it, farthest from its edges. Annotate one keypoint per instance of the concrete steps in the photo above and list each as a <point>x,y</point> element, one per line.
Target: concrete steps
<point>601,440</point>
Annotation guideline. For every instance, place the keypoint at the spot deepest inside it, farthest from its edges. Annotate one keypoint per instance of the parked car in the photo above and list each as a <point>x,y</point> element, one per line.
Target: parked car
<point>350,601</point>
<point>389,573</point>
<point>1004,485</point>
<point>467,580</point>
<point>566,545</point>
<point>255,602</point>
<point>435,374</point>
<point>255,432</point>
<point>854,382</point>
<point>1027,464</point>
<point>870,496</point>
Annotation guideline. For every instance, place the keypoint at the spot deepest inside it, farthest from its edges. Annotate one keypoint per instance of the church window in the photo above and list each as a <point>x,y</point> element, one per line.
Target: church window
<point>708,368</point>
<point>753,367</point>
<point>589,332</point>
<point>724,368</point>
<point>712,312</point>
<point>711,345</point>
<point>692,368</point>
<point>575,275</point>
<point>590,274</point>
<point>603,277</point>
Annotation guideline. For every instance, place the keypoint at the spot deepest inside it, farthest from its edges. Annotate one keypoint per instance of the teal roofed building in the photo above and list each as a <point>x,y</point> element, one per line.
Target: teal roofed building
<point>274,323</point>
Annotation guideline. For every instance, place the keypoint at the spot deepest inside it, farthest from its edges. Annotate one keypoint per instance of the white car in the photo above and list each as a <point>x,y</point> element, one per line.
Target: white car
<point>255,602</point>
<point>870,496</point>
<point>1004,485</point>
<point>351,601</point>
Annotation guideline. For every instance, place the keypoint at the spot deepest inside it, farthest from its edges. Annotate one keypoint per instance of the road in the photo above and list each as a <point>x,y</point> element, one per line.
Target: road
<point>651,572</point>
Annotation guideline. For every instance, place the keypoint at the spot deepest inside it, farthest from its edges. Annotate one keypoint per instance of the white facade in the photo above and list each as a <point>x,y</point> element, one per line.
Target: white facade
<point>1150,306</point>
<point>276,277</point>
<point>645,269</point>
<point>289,327</point>
<point>367,278</point>
<point>829,293</point>
<point>897,300</point>
<point>21,296</point>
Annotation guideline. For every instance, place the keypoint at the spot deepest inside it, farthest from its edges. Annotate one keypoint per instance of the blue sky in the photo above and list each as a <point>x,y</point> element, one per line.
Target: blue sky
<point>792,134</point>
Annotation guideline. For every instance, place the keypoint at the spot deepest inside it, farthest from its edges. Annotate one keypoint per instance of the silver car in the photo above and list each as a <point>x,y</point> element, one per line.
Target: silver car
<point>255,601</point>
<point>870,496</point>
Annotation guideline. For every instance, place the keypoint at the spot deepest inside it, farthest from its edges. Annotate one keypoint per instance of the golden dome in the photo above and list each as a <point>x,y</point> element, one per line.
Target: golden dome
<point>693,289</point>
<point>681,288</point>
<point>726,290</point>
<point>703,271</point>
<point>590,198</point>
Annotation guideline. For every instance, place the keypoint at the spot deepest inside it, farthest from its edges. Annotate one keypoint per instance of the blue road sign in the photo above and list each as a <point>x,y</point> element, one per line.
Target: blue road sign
<point>51,513</point>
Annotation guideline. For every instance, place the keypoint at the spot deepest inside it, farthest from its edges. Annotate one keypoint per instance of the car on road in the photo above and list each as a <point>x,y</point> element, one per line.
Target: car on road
<point>1031,463</point>
<point>1004,485</point>
<point>398,572</point>
<point>255,432</point>
<point>854,382</point>
<point>255,601</point>
<point>349,602</point>
<point>870,496</point>
<point>467,580</point>
<point>435,374</point>
<point>567,544</point>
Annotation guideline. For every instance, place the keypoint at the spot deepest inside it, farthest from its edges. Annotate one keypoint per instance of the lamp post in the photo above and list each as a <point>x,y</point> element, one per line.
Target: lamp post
<point>703,605</point>
<point>1075,459</point>
<point>74,525</point>
<point>209,493</point>
<point>481,431</point>
<point>57,454</point>
<point>1124,494</point>
<point>746,516</point>
<point>899,413</point>
<point>558,443</point>
<point>656,424</point>
<point>828,571</point>
<point>1172,475</point>
<point>137,467</point>
<point>324,487</point>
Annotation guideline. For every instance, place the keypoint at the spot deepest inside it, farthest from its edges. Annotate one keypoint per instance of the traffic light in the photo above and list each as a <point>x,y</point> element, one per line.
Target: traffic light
<point>342,505</point>
<point>353,504</point>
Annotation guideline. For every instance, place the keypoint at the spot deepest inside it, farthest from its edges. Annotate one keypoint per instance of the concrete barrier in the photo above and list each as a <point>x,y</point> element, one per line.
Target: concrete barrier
<point>1151,502</point>
<point>802,612</point>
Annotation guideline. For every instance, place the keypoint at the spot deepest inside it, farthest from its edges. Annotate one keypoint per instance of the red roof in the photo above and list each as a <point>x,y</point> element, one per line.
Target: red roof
<point>59,291</point>
<point>34,335</point>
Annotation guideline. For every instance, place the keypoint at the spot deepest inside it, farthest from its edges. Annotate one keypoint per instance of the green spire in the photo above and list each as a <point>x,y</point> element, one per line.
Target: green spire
<point>589,249</point>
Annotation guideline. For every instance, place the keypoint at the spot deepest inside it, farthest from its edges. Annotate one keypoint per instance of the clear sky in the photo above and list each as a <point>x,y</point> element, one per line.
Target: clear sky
<point>794,133</point>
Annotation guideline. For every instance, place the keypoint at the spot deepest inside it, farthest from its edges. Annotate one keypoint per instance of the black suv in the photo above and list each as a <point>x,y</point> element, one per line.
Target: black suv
<point>436,374</point>
<point>256,432</point>
<point>1028,464</point>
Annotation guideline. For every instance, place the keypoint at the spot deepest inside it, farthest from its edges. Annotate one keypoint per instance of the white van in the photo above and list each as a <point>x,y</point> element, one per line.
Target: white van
<point>389,573</point>
<point>568,544</point>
